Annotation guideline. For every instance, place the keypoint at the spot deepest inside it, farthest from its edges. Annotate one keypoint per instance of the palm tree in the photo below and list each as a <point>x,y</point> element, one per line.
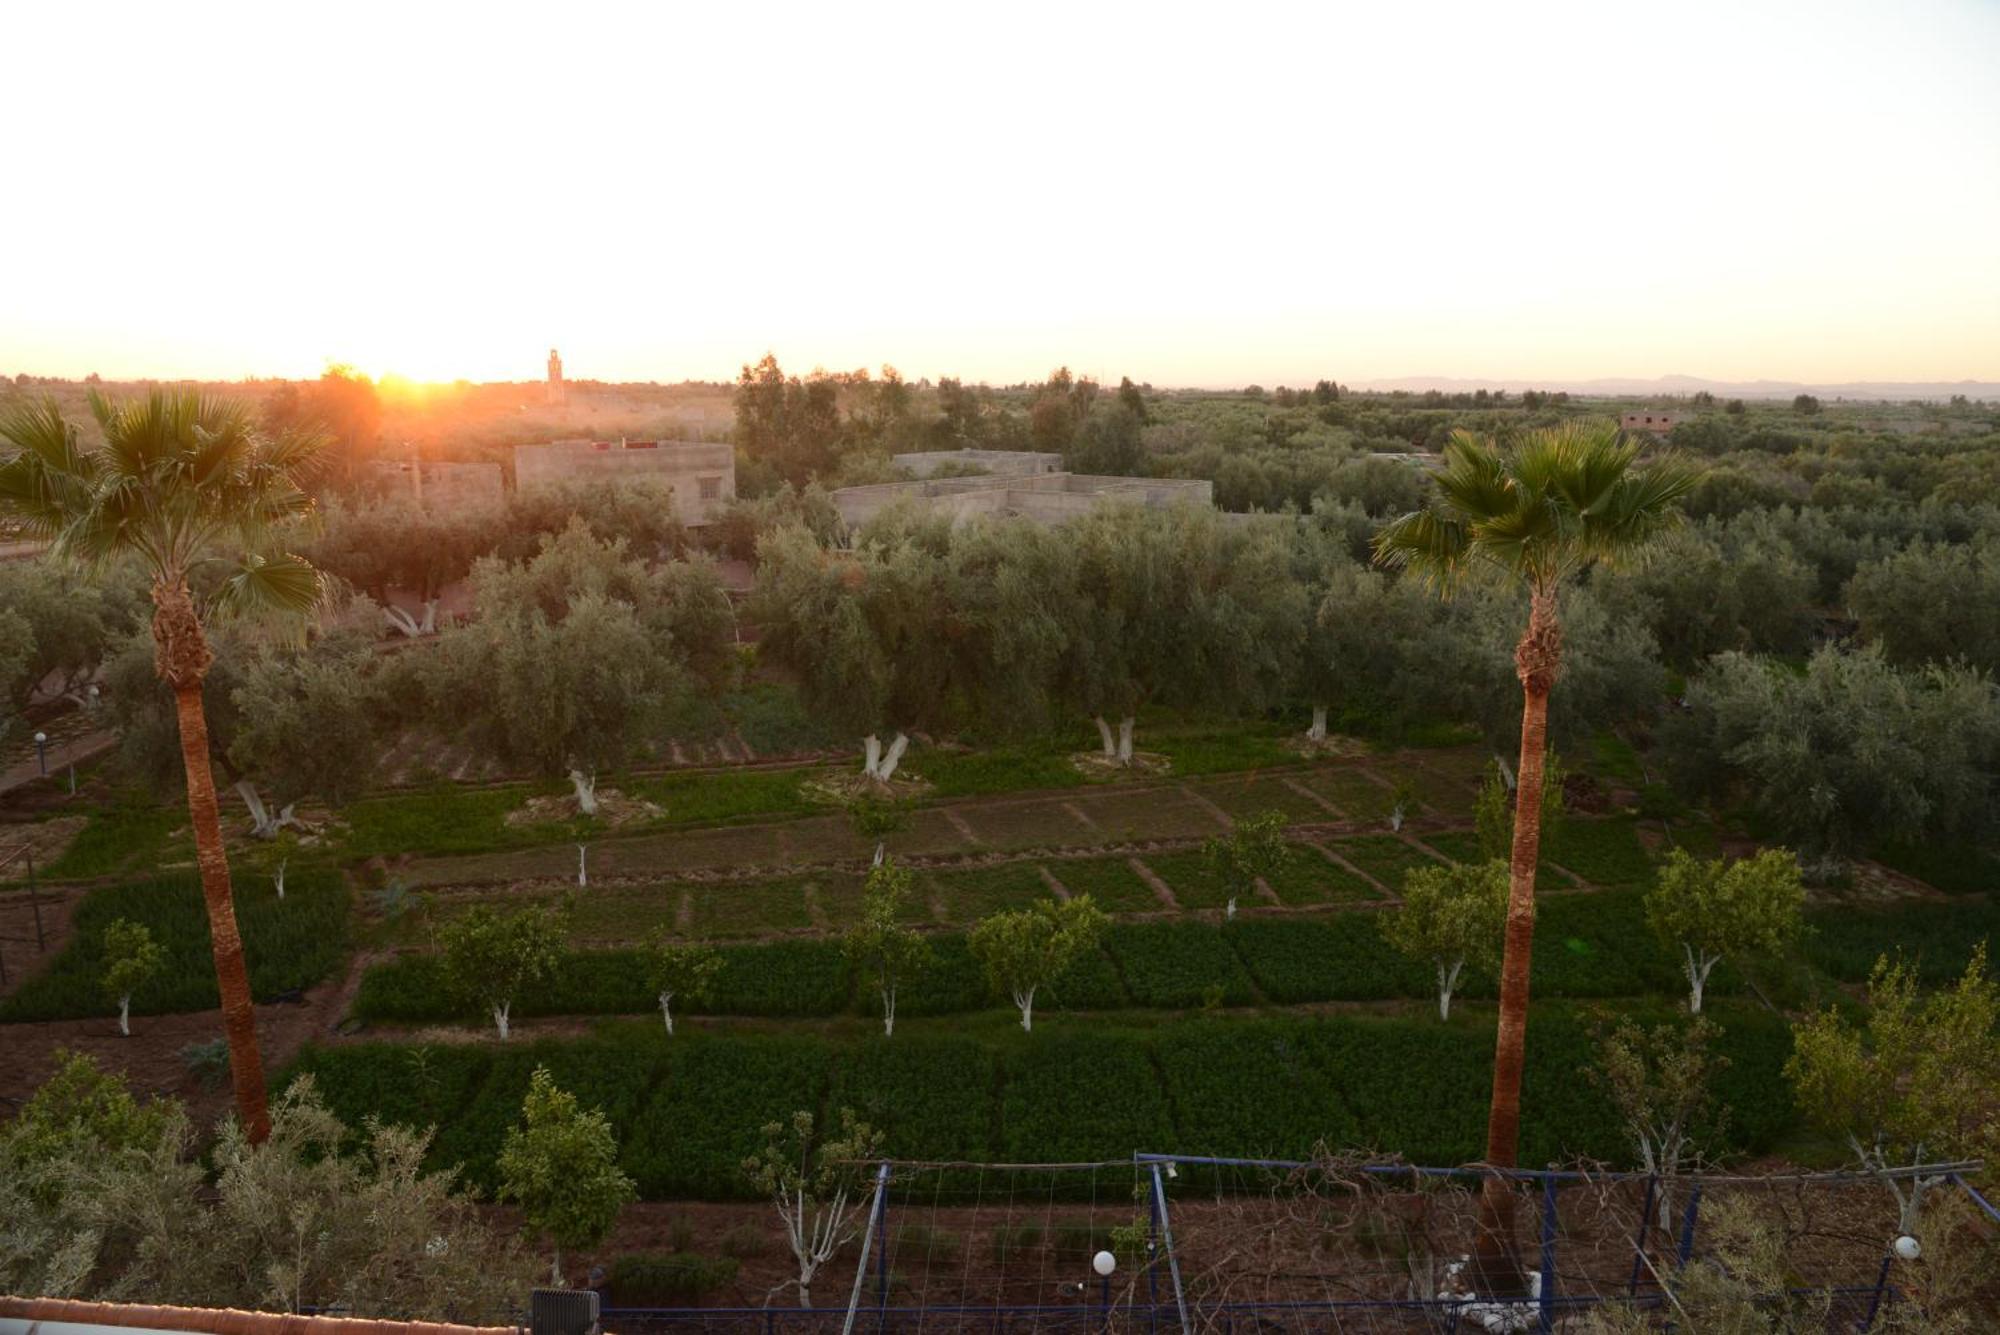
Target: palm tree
<point>182,483</point>
<point>1539,513</point>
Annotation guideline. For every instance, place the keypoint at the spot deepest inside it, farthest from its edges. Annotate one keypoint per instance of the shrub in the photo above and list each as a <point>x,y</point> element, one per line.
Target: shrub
<point>1178,964</point>
<point>1339,957</point>
<point>1934,938</point>
<point>1603,852</point>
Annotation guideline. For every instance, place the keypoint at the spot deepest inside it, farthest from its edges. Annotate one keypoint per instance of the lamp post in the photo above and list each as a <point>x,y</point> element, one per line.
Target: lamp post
<point>42,752</point>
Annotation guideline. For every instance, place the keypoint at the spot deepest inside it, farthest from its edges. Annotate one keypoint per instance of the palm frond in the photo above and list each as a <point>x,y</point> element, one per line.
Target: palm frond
<point>1432,546</point>
<point>279,586</point>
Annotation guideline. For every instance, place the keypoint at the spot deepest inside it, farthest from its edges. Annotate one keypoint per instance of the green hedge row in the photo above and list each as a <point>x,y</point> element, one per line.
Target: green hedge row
<point>1587,945</point>
<point>289,943</point>
<point>688,1110</point>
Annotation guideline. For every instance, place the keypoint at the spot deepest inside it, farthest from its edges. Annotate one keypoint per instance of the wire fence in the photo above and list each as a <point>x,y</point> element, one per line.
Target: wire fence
<point>1186,1243</point>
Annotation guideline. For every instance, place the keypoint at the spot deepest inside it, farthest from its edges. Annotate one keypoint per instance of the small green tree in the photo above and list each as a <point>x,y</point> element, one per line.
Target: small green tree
<point>1913,1084</point>
<point>880,945</point>
<point>1661,1080</point>
<point>1711,908</point>
<point>132,960</point>
<point>1255,849</point>
<point>1023,949</point>
<point>1451,917</point>
<point>561,1164</point>
<point>490,956</point>
<point>679,969</point>
<point>1493,807</point>
<point>875,820</point>
<point>816,1187</point>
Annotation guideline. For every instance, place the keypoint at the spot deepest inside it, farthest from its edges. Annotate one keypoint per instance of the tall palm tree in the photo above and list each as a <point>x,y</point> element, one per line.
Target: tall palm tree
<point>182,483</point>
<point>1538,513</point>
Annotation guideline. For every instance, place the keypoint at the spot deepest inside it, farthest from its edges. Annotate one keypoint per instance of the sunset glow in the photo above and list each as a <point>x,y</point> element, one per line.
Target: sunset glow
<point>1803,190</point>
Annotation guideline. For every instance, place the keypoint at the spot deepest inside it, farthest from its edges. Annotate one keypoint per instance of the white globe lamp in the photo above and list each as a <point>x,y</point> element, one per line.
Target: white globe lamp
<point>1104,1263</point>
<point>1908,1248</point>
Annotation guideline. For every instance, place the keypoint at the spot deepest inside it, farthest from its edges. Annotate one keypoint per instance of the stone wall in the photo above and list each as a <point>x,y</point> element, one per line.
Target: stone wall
<point>1048,498</point>
<point>1007,463</point>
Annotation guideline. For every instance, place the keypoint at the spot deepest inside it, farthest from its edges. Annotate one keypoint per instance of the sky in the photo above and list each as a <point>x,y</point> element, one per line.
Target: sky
<point>1186,194</point>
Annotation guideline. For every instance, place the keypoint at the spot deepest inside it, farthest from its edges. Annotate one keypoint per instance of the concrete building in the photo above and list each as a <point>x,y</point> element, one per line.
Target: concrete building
<point>1045,498</point>
<point>702,474</point>
<point>1659,423</point>
<point>455,486</point>
<point>1007,463</point>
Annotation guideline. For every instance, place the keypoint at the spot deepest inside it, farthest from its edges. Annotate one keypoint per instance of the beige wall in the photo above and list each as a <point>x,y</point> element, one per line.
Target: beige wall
<point>689,467</point>
<point>1046,499</point>
<point>450,486</point>
<point>1008,463</point>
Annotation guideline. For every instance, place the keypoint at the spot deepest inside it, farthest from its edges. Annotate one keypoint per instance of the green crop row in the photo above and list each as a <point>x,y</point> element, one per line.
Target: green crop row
<point>688,1110</point>
<point>1587,945</point>
<point>287,943</point>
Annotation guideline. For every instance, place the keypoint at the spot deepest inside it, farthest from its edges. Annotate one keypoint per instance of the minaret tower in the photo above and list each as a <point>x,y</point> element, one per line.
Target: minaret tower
<point>555,388</point>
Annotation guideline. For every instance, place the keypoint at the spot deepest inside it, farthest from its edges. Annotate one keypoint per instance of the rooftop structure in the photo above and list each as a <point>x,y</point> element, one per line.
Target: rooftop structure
<point>1046,497</point>
<point>702,474</point>
<point>557,393</point>
<point>1000,463</point>
<point>1659,423</point>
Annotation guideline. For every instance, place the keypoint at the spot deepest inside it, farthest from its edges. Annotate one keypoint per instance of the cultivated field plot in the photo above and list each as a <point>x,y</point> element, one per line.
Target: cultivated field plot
<point>1148,813</point>
<point>1037,823</point>
<point>1115,884</point>
<point>1258,793</point>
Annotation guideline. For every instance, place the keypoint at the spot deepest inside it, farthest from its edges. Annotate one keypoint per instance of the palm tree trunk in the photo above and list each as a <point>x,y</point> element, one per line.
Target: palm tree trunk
<point>182,656</point>
<point>1537,661</point>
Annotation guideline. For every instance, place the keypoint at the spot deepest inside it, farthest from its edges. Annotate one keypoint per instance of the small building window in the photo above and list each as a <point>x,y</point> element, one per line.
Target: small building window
<point>711,488</point>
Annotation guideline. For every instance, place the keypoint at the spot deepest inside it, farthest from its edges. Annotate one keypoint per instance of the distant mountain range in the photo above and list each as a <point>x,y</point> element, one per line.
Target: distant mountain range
<point>1618,387</point>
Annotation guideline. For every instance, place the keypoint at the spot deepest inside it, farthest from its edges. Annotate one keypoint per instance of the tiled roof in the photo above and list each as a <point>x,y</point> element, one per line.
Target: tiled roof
<point>222,1321</point>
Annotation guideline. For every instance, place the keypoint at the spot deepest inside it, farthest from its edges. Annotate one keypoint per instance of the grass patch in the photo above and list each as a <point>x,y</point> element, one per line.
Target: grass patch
<point>975,892</point>
<point>1110,882</point>
<point>716,797</point>
<point>289,943</point>
<point>1193,881</point>
<point>1178,965</point>
<point>125,837</point>
<point>1603,852</point>
<point>1937,939</point>
<point>1310,877</point>
<point>1956,869</point>
<point>1383,856</point>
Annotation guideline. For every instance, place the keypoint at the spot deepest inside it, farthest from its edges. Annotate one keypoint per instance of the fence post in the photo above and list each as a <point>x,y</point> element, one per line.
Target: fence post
<point>1875,1298</point>
<point>1173,1261</point>
<point>882,1251</point>
<point>1687,1225</point>
<point>867,1240</point>
<point>1639,1243</point>
<point>1152,1259</point>
<point>1546,1321</point>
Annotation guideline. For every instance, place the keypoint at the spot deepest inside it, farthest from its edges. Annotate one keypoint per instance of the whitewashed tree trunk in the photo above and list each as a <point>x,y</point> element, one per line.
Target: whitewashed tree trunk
<point>1506,771</point>
<point>586,790</point>
<point>1317,732</point>
<point>667,1011</point>
<point>888,1012</point>
<point>1447,984</point>
<point>892,758</point>
<point>411,627</point>
<point>1026,1001</point>
<point>878,854</point>
<point>1396,818</point>
<point>1229,911</point>
<point>1110,742</point>
<point>125,1015</point>
<point>278,878</point>
<point>1697,969</point>
<point>582,866</point>
<point>429,624</point>
<point>261,823</point>
<point>871,755</point>
<point>500,1017</point>
<point>1125,741</point>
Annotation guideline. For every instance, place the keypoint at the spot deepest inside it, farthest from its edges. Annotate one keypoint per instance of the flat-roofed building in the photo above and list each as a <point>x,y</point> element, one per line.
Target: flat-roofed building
<point>1008,463</point>
<point>701,473</point>
<point>443,484</point>
<point>1045,498</point>
<point>1659,423</point>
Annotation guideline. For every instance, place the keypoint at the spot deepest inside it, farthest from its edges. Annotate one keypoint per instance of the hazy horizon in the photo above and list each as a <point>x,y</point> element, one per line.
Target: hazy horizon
<point>1777,191</point>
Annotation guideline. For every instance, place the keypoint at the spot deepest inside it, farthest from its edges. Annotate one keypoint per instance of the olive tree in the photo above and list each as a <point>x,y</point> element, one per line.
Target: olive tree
<point>880,946</point>
<point>132,960</point>
<point>1912,1084</point>
<point>1022,950</point>
<point>816,1184</point>
<point>1253,850</point>
<point>679,969</point>
<point>1661,1081</point>
<point>561,1164</point>
<point>1451,917</point>
<point>863,630</point>
<point>303,725</point>
<point>491,957</point>
<point>1710,908</point>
